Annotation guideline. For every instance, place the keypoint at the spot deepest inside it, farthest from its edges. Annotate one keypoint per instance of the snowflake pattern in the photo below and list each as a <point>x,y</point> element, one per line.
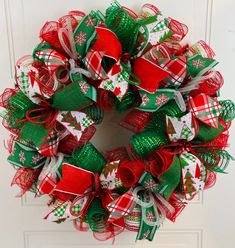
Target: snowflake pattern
<point>81,38</point>
<point>84,87</point>
<point>22,157</point>
<point>150,185</point>
<point>198,63</point>
<point>150,216</point>
<point>90,22</point>
<point>36,158</point>
<point>160,100</point>
<point>145,100</point>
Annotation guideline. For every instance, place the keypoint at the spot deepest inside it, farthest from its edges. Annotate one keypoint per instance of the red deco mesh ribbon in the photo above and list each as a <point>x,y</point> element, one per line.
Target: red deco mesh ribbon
<point>136,120</point>
<point>70,143</point>
<point>119,153</point>
<point>179,29</point>
<point>130,172</point>
<point>5,96</point>
<point>178,206</point>
<point>25,178</point>
<point>105,100</point>
<point>49,31</point>
<point>210,86</point>
<point>160,162</point>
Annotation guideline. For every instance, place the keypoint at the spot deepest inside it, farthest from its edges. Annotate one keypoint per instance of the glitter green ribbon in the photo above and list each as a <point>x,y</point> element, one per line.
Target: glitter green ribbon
<point>88,158</point>
<point>97,216</point>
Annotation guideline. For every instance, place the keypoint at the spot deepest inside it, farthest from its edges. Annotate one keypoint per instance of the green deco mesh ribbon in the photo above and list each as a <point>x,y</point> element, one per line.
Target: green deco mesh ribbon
<point>88,158</point>
<point>158,119</point>
<point>154,136</point>
<point>97,216</point>
<point>228,110</point>
<point>147,141</point>
<point>130,100</point>
<point>122,24</point>
<point>19,104</point>
<point>95,113</point>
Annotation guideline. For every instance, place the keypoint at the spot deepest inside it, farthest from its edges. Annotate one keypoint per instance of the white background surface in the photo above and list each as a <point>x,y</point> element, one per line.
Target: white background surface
<point>206,223</point>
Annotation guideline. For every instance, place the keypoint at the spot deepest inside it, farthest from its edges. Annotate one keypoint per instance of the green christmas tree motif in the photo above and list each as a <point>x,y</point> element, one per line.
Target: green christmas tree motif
<point>188,184</point>
<point>170,127</point>
<point>186,132</point>
<point>68,118</point>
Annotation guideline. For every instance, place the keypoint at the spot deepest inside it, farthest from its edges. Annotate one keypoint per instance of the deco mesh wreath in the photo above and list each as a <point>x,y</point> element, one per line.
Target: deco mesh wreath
<point>88,64</point>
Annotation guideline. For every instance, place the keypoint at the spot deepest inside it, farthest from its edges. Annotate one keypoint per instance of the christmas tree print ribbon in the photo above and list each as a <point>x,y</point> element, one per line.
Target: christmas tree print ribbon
<point>193,170</point>
<point>66,211</point>
<point>84,190</point>
<point>152,31</point>
<point>75,122</point>
<point>37,123</point>
<point>113,73</point>
<point>24,68</point>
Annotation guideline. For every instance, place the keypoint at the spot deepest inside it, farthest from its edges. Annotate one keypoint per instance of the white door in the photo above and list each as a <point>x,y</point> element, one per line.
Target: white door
<point>206,223</point>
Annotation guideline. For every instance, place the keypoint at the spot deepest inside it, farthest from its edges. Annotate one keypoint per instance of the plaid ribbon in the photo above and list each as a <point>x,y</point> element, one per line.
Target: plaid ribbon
<point>93,63</point>
<point>177,67</point>
<point>121,207</point>
<point>50,146</point>
<point>51,58</point>
<point>106,46</point>
<point>205,109</point>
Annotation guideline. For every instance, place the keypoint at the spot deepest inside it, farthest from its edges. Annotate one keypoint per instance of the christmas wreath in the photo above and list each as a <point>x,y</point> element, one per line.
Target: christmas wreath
<point>88,64</point>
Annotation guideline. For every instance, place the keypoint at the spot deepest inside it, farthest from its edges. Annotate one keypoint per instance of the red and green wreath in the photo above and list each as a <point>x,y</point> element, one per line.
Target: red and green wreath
<point>86,65</point>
